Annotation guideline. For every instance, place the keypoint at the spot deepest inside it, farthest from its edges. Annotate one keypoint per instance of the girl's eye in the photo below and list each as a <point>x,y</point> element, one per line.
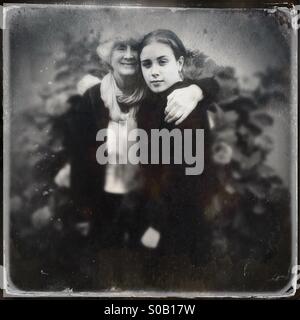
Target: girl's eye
<point>146,64</point>
<point>163,62</point>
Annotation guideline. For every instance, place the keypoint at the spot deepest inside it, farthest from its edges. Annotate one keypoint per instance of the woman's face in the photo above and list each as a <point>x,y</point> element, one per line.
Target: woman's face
<point>124,59</point>
<point>159,66</point>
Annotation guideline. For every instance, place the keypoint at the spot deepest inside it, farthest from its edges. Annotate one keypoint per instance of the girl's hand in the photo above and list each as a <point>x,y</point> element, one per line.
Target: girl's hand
<point>181,102</point>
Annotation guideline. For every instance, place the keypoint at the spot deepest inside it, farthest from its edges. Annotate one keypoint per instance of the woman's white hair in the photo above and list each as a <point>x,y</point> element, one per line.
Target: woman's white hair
<point>104,50</point>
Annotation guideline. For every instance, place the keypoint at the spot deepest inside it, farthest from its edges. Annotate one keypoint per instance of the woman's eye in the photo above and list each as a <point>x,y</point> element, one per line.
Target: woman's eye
<point>121,48</point>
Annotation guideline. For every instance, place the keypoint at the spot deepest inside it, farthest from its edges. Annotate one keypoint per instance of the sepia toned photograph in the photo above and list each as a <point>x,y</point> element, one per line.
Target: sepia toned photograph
<point>150,151</point>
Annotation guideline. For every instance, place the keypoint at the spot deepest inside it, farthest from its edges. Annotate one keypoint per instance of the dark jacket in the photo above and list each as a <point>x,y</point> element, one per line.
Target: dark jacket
<point>84,119</point>
<point>175,201</point>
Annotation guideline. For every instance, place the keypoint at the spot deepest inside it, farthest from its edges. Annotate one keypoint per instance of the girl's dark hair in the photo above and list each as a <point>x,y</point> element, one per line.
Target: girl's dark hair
<point>167,37</point>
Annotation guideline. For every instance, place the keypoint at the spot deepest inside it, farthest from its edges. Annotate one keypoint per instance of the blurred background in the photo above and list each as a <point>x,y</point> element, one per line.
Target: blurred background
<point>52,56</point>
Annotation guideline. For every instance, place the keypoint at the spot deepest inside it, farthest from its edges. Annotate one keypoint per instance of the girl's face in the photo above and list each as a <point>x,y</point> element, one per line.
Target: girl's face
<point>159,66</point>
<point>124,59</point>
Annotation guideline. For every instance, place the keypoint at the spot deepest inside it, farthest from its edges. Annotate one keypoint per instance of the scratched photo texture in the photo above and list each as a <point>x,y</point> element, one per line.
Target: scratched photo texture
<point>244,240</point>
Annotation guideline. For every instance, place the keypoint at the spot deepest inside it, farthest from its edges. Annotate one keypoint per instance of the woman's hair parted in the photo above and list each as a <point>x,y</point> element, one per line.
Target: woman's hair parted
<point>167,37</point>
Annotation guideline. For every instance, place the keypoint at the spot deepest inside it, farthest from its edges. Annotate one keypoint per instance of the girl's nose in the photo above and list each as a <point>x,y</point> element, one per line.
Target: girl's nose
<point>154,70</point>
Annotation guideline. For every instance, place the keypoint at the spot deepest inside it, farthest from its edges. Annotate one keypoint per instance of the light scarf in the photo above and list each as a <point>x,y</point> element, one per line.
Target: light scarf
<point>109,94</point>
<point>119,178</point>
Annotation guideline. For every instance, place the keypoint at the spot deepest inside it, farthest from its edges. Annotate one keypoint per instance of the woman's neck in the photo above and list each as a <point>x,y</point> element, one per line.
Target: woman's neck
<point>124,83</point>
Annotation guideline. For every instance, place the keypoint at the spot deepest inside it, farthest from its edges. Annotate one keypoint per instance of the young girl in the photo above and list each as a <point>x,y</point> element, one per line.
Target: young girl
<point>176,201</point>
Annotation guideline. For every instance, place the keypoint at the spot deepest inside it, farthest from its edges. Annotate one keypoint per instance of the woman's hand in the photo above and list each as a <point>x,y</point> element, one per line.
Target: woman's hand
<point>181,102</point>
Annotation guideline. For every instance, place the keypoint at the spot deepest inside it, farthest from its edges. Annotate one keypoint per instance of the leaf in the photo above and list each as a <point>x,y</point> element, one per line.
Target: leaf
<point>238,156</point>
<point>249,162</point>
<point>58,104</point>
<point>240,103</point>
<point>45,92</point>
<point>227,135</point>
<point>231,116</point>
<point>222,153</point>
<point>264,142</point>
<point>41,217</point>
<point>226,73</point>
<point>266,172</point>
<point>258,190</point>
<point>261,119</point>
<point>62,73</point>
<point>249,128</point>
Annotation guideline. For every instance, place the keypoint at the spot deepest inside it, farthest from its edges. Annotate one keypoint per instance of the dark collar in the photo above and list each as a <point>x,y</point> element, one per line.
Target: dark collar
<point>161,98</point>
<point>177,85</point>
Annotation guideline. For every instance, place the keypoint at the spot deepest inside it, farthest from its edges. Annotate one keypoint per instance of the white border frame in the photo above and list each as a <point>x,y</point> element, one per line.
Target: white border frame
<point>11,291</point>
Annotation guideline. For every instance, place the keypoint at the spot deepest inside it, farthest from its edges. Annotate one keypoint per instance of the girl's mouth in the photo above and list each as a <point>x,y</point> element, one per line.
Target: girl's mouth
<point>156,81</point>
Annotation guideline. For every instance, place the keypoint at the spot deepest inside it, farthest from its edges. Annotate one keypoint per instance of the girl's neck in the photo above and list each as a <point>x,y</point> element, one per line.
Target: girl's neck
<point>176,85</point>
<point>178,82</point>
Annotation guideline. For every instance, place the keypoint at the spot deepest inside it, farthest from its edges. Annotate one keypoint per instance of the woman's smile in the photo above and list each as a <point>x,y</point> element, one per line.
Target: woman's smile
<point>124,59</point>
<point>133,63</point>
